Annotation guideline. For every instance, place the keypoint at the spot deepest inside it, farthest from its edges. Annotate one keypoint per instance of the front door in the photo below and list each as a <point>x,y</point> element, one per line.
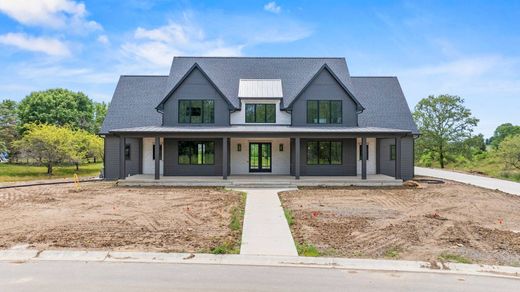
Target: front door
<point>259,157</point>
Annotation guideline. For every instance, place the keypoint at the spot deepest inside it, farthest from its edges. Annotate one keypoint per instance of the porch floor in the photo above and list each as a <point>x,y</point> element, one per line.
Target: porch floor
<point>259,181</point>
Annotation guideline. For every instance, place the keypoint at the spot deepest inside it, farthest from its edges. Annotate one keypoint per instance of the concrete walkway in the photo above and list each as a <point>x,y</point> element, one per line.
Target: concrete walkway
<point>476,180</point>
<point>265,230</point>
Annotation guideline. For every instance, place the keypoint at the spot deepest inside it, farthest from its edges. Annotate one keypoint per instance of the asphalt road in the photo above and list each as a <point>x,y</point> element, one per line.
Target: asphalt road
<point>102,276</point>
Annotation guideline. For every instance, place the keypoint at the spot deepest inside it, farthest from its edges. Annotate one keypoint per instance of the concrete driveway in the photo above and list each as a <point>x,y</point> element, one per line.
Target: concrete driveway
<point>476,180</point>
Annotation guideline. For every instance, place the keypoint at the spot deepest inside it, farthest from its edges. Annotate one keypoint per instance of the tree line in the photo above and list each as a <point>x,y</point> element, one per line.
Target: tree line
<point>52,127</point>
<point>446,136</point>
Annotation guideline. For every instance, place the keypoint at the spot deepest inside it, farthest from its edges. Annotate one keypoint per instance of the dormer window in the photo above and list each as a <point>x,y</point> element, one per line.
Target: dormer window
<point>260,113</point>
<point>196,111</point>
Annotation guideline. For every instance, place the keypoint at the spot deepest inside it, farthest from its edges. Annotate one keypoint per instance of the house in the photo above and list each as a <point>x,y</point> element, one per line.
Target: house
<point>230,116</point>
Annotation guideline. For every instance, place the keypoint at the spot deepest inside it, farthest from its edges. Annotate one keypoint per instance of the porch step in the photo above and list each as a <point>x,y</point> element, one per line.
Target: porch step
<point>263,185</point>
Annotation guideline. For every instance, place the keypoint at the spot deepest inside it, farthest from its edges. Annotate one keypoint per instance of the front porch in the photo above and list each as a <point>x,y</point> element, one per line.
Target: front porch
<point>259,181</point>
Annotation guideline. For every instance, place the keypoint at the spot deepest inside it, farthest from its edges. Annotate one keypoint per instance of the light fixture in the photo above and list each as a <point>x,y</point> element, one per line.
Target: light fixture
<point>239,147</point>
<point>280,147</point>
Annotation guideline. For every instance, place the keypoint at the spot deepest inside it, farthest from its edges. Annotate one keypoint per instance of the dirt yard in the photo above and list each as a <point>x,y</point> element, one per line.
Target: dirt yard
<point>447,222</point>
<point>103,216</point>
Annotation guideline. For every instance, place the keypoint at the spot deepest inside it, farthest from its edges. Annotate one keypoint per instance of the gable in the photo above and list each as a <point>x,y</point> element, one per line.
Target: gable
<point>195,86</point>
<point>326,82</point>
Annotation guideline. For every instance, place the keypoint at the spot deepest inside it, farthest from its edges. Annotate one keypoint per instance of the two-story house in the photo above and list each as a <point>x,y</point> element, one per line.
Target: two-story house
<point>229,116</point>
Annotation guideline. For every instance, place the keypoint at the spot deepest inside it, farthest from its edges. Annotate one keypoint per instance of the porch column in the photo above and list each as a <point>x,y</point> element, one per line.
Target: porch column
<point>122,162</point>
<point>398,157</point>
<point>297,158</point>
<point>363,158</point>
<point>157,149</point>
<point>224,157</point>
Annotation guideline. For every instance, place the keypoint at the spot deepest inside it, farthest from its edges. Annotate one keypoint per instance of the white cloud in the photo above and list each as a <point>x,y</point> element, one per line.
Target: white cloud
<point>159,45</point>
<point>103,39</point>
<point>272,7</point>
<point>49,46</point>
<point>56,14</point>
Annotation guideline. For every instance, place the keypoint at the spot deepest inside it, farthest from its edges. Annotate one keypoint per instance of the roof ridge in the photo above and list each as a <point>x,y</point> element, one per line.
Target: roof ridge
<point>245,57</point>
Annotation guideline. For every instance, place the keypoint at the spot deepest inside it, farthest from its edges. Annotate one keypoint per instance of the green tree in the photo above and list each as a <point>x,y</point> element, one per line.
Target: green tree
<point>100,111</point>
<point>8,122</point>
<point>58,107</point>
<point>503,131</point>
<point>443,122</point>
<point>509,151</point>
<point>49,144</point>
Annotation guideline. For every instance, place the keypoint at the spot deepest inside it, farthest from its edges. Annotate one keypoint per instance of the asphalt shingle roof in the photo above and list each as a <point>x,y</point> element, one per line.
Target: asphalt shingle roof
<point>135,97</point>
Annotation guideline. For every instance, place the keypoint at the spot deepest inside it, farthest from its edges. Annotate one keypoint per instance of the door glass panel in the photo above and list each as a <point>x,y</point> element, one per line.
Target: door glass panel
<point>266,156</point>
<point>253,156</point>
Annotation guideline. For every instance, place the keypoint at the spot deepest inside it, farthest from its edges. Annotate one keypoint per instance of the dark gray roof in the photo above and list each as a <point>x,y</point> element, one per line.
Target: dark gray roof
<point>384,102</point>
<point>134,101</point>
<point>226,72</point>
<point>259,129</point>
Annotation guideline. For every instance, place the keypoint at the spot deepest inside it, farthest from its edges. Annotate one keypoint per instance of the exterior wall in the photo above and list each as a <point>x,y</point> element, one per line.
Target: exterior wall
<point>196,86</point>
<point>280,161</point>
<point>111,162</point>
<point>387,166</point>
<point>324,87</point>
<point>132,166</point>
<point>348,167</point>
<point>239,117</point>
<point>371,162</point>
<point>173,168</point>
<point>148,162</point>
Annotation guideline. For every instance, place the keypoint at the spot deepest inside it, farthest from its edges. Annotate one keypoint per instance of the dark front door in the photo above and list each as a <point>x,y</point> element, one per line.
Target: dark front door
<point>259,157</point>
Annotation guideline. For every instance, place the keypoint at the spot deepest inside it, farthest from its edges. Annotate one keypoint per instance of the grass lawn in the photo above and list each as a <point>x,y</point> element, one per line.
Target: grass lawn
<point>22,172</point>
<point>490,167</point>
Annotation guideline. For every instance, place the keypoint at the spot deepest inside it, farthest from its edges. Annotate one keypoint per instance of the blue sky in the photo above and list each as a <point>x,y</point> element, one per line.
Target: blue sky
<point>466,48</point>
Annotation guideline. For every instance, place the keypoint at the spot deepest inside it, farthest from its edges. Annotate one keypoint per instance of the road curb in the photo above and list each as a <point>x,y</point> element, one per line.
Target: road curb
<point>28,255</point>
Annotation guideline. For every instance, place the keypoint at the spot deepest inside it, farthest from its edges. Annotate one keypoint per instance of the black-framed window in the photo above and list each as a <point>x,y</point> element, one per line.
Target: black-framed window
<point>392,152</point>
<point>324,153</point>
<point>196,111</point>
<point>196,153</point>
<point>361,151</point>
<point>160,152</point>
<point>324,111</point>
<point>127,152</point>
<point>260,113</point>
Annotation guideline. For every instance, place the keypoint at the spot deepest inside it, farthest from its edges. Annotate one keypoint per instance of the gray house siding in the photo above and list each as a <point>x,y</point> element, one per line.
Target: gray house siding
<point>387,166</point>
<point>111,162</point>
<point>324,87</point>
<point>348,166</point>
<point>132,166</point>
<point>196,86</point>
<point>173,168</point>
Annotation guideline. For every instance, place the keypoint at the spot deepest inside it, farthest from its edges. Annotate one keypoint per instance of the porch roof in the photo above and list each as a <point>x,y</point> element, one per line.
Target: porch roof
<point>258,129</point>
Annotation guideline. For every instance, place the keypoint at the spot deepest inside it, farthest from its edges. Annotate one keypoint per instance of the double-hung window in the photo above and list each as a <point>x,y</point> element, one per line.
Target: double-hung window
<point>196,153</point>
<point>324,153</point>
<point>196,111</point>
<point>260,113</point>
<point>324,112</point>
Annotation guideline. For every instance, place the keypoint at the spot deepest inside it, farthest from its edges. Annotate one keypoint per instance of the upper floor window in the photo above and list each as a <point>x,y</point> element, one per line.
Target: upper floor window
<point>196,111</point>
<point>260,113</point>
<point>324,112</point>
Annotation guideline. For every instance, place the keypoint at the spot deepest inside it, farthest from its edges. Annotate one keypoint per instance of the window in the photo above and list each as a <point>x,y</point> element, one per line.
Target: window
<point>260,113</point>
<point>324,112</point>
<point>196,153</point>
<point>392,152</point>
<point>196,111</point>
<point>160,152</point>
<point>324,153</point>
<point>361,151</point>
<point>127,152</point>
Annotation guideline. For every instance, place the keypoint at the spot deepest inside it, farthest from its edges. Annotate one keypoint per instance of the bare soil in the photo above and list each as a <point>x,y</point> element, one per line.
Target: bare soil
<point>101,215</point>
<point>420,221</point>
